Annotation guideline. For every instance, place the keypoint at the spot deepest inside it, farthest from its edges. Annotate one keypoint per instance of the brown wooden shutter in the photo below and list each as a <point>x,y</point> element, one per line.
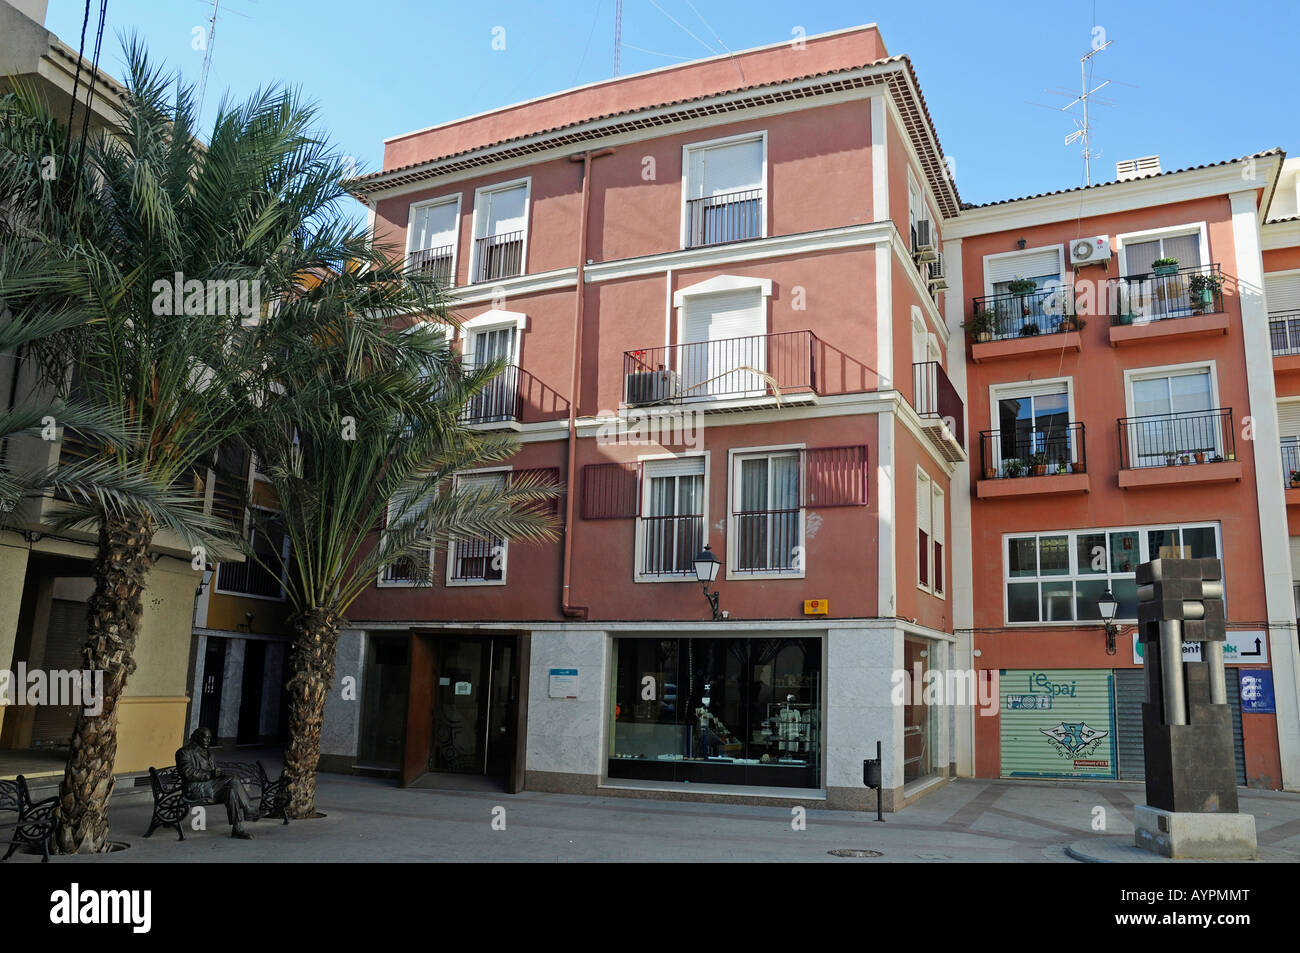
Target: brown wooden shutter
<point>611,491</point>
<point>835,476</point>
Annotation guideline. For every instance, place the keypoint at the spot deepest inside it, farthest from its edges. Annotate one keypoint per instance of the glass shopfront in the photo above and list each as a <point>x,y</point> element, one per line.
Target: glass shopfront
<point>717,711</point>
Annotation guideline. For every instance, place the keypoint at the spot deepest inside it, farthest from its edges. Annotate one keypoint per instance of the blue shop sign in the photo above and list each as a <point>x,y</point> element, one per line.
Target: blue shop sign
<point>1257,690</point>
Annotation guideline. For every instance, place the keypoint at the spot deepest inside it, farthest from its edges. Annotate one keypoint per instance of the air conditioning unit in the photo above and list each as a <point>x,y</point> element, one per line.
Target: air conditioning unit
<point>923,246</point>
<point>1090,251</point>
<point>651,387</point>
<point>936,275</point>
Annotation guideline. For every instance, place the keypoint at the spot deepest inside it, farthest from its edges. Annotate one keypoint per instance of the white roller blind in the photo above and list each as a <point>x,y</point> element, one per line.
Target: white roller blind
<point>923,502</point>
<point>1288,418</point>
<point>735,167</point>
<point>936,516</point>
<point>684,466</point>
<point>503,211</point>
<point>433,226</point>
<point>1282,292</point>
<point>718,317</point>
<point>1031,264</point>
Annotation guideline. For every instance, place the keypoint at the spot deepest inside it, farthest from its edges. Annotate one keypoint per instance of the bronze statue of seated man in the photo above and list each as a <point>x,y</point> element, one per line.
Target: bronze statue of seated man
<point>204,781</point>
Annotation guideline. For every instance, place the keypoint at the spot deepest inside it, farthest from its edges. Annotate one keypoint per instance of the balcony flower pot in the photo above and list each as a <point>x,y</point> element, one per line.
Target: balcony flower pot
<point>1295,479</point>
<point>1029,330</point>
<point>1184,459</point>
<point>1200,456</point>
<point>1080,467</point>
<point>1039,463</point>
<point>1165,266</point>
<point>990,473</point>
<point>1171,459</point>
<point>1125,319</point>
<point>1012,467</point>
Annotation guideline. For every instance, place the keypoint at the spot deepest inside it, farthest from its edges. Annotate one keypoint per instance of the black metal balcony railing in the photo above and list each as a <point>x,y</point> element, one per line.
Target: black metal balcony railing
<point>669,544</point>
<point>934,398</point>
<point>435,262</point>
<point>1034,451</point>
<point>767,541</point>
<point>1284,332</point>
<point>1290,458</point>
<point>499,401</point>
<point>1167,440</point>
<point>1049,311</point>
<point>478,560</point>
<point>250,577</point>
<point>499,256</point>
<point>753,366</point>
<point>731,217</point>
<point>1137,299</point>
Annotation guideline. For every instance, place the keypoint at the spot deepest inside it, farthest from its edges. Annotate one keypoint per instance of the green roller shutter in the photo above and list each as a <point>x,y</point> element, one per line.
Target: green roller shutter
<point>1057,723</point>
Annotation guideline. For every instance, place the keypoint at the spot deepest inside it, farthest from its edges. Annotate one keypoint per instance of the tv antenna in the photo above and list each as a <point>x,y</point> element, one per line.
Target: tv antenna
<point>207,56</point>
<point>1083,130</point>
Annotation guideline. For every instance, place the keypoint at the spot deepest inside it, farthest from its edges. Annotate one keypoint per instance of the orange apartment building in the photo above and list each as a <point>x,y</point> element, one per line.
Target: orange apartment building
<point>730,296</point>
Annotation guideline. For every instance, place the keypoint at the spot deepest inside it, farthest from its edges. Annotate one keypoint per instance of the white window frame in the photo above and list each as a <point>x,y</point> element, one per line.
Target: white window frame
<point>734,457</point>
<point>251,527</point>
<point>451,543</point>
<point>1025,253</point>
<point>493,320</point>
<point>383,583</point>
<point>759,136</point>
<point>937,500</point>
<point>453,199</point>
<point>647,462</point>
<point>1073,574</point>
<point>1030,388</point>
<point>1168,231</point>
<point>527,183</point>
<point>1132,374</point>
<point>928,584</point>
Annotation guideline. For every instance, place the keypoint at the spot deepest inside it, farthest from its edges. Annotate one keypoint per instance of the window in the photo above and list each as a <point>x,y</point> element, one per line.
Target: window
<point>724,191</point>
<point>409,570</point>
<point>671,528</point>
<point>432,238</point>
<point>1033,419</point>
<point>1039,265</point>
<point>924,503</point>
<point>1139,255</point>
<point>1058,577</point>
<point>477,561</point>
<point>721,334</point>
<point>490,337</point>
<point>1173,414</point>
<point>937,536</point>
<point>262,577</point>
<point>500,230</point>
<point>768,519</point>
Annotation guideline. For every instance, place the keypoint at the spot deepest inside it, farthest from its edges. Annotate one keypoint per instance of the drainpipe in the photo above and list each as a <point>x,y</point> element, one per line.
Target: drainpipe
<point>568,610</point>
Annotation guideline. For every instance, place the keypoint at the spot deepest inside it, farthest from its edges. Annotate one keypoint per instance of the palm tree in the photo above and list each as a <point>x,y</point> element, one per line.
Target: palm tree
<point>358,423</point>
<point>151,212</point>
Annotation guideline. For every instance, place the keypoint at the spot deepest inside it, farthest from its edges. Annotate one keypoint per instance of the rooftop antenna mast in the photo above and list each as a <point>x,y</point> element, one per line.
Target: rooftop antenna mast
<point>207,56</point>
<point>1084,131</point>
<point>618,34</point>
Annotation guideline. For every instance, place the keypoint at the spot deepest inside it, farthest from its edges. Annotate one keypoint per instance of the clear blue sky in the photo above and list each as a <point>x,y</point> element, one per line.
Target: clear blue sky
<point>1192,80</point>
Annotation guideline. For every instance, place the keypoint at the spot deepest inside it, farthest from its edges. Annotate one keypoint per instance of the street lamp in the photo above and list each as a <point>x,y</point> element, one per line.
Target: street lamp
<point>1107,606</point>
<point>706,570</point>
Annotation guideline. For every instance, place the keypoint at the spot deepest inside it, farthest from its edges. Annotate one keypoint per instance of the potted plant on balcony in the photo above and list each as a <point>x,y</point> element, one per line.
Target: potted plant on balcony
<point>1012,467</point>
<point>1020,287</point>
<point>1217,458</point>
<point>1039,462</point>
<point>981,325</point>
<point>1295,479</point>
<point>1200,456</point>
<point>1202,290</point>
<point>1029,330</point>
<point>1184,458</point>
<point>1165,266</point>
<point>1171,458</point>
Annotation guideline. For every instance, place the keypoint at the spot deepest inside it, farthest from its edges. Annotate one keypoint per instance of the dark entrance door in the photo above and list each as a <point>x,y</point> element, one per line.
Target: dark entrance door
<point>475,703</point>
<point>249,731</point>
<point>214,670</point>
<point>383,699</point>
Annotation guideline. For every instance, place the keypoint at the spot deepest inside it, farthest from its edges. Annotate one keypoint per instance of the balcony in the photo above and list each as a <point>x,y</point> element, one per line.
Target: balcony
<point>1033,462</point>
<point>434,262</point>
<point>499,256</point>
<point>1284,337</point>
<point>760,367</point>
<point>1163,450</point>
<point>943,416</point>
<point>1185,302</point>
<point>719,219</point>
<point>250,577</point>
<point>1014,325</point>
<point>669,545</point>
<point>499,402</point>
<point>1291,469</point>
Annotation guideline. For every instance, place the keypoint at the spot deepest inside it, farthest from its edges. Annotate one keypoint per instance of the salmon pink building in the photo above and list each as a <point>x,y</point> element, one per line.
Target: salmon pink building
<point>745,316</point>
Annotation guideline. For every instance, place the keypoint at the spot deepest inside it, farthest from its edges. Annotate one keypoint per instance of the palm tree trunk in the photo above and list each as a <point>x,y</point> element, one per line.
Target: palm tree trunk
<point>316,635</point>
<point>121,566</point>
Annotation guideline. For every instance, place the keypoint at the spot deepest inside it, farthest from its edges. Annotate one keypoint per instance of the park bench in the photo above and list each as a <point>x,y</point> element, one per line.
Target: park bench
<point>171,805</point>
<point>35,824</point>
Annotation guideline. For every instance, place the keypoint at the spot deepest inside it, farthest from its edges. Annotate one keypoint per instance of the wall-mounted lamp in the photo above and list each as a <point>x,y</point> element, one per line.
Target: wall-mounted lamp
<point>1107,606</point>
<point>706,570</point>
<point>1020,243</point>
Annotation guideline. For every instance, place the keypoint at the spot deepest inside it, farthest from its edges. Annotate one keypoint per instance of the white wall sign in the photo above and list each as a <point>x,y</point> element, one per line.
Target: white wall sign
<point>564,683</point>
<point>463,688</point>
<point>1241,648</point>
